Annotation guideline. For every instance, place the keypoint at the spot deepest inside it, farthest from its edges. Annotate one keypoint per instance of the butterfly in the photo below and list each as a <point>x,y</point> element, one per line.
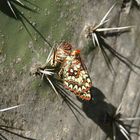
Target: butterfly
<point>75,76</point>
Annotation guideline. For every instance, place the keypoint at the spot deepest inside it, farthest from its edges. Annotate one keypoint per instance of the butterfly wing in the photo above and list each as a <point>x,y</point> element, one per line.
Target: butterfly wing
<point>76,78</point>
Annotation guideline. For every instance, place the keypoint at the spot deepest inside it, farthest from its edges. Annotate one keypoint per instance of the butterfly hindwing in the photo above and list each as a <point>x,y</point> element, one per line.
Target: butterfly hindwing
<point>75,76</point>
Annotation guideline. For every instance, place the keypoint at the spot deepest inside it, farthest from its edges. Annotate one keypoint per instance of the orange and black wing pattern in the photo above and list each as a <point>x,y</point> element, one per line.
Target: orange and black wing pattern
<point>75,76</point>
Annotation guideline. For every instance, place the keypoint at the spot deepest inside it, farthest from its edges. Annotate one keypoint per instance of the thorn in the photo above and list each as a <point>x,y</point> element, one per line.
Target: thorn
<point>93,39</point>
<point>118,109</point>
<point>104,18</point>
<point>11,9</point>
<point>96,39</point>
<point>114,28</point>
<point>47,72</point>
<point>114,132</point>
<point>99,25</point>
<point>123,131</point>
<point>53,87</point>
<point>10,108</point>
<point>129,119</point>
<point>50,54</point>
<point>20,2</point>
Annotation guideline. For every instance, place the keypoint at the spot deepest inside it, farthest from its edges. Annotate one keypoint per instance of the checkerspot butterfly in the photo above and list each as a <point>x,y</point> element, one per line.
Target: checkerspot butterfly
<point>75,76</point>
